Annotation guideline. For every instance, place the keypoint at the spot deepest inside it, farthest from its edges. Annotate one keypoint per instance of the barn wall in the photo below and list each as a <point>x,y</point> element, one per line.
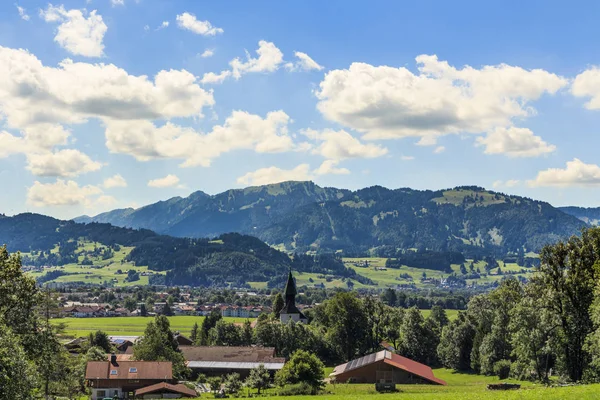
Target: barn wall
<point>368,374</point>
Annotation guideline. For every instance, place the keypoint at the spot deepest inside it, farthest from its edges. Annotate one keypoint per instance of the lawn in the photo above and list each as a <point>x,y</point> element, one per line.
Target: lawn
<point>127,326</point>
<point>460,386</point>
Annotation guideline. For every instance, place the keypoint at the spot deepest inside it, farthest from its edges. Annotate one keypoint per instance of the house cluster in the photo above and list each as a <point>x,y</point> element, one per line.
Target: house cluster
<point>122,377</point>
<point>90,310</point>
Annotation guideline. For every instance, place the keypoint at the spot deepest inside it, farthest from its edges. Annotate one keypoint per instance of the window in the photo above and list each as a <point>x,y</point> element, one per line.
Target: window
<point>113,371</point>
<point>101,393</point>
<point>133,370</point>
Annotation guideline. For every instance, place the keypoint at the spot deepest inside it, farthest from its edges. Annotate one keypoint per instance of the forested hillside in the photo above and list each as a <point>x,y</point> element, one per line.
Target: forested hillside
<point>228,258</point>
<point>301,216</point>
<point>590,215</point>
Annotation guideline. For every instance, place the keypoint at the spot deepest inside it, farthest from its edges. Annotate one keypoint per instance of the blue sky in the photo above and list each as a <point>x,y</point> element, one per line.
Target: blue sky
<point>114,103</point>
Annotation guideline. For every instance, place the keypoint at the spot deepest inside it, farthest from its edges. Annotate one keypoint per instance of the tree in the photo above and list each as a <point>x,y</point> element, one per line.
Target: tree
<point>456,343</point>
<point>259,378</point>
<point>277,304</point>
<point>439,317</point>
<point>215,383</point>
<point>226,334</point>
<point>159,344</point>
<point>568,274</point>
<point>389,297</point>
<point>100,339</point>
<point>194,334</point>
<point>347,324</point>
<point>233,384</point>
<point>303,367</point>
<point>418,340</point>
<point>167,310</point>
<point>209,322</point>
<point>143,311</point>
<point>130,304</point>
<point>247,333</point>
<point>17,375</point>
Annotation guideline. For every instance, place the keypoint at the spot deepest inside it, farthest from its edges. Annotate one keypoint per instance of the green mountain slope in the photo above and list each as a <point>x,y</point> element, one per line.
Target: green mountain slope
<point>590,215</point>
<point>301,216</point>
<point>230,258</point>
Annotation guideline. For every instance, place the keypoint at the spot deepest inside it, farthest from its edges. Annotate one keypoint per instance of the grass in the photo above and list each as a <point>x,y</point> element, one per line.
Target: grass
<point>127,326</point>
<point>459,386</point>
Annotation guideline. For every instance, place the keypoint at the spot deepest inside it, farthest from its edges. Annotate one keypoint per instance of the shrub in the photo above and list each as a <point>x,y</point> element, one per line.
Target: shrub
<point>502,369</point>
<point>297,389</point>
<point>303,367</point>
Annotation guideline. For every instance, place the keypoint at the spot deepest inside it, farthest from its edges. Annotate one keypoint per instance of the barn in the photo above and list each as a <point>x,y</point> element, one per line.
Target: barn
<point>385,367</point>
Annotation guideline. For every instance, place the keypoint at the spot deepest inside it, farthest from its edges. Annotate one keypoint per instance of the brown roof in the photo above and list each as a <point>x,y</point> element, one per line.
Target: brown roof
<point>392,359</point>
<point>145,370</point>
<point>166,387</point>
<point>230,353</point>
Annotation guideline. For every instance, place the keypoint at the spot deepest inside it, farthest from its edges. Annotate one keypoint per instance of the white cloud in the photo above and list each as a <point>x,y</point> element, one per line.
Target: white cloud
<point>269,59</point>
<point>587,84</point>
<point>208,53</point>
<point>576,173</point>
<point>114,181</point>
<point>212,78</point>
<point>167,181</point>
<point>340,145</point>
<point>31,93</point>
<point>264,176</point>
<point>439,149</point>
<point>429,140</point>
<point>514,142</point>
<point>329,167</point>
<point>76,33</point>
<point>62,193</point>
<point>509,183</point>
<point>146,27</point>
<point>163,25</point>
<point>388,102</point>
<point>189,22</point>
<point>22,12</point>
<point>117,2</point>
<point>406,158</point>
<point>63,163</point>
<point>304,63</point>
<point>241,130</point>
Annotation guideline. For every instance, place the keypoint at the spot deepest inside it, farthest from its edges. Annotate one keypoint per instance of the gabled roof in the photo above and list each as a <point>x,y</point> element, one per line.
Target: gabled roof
<point>166,387</point>
<point>159,370</point>
<point>395,360</point>
<point>230,354</point>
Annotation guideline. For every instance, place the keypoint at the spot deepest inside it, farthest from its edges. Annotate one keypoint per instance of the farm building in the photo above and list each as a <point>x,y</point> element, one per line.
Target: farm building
<point>165,390</point>
<point>123,378</point>
<point>385,367</point>
<point>222,360</point>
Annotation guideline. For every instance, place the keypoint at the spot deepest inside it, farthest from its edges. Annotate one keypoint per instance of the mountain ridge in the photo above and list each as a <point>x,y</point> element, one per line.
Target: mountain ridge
<point>301,216</point>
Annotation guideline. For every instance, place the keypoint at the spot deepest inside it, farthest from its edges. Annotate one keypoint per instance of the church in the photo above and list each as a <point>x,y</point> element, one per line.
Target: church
<point>289,310</point>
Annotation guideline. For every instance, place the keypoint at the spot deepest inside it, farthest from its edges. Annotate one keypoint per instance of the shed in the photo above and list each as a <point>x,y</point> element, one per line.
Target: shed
<point>385,367</point>
<point>165,390</point>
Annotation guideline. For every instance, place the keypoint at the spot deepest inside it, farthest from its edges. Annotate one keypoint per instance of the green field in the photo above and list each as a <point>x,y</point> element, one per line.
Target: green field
<point>127,326</point>
<point>460,386</point>
<point>101,271</point>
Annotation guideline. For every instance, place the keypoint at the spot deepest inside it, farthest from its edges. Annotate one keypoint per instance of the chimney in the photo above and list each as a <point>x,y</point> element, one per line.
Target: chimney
<point>113,359</point>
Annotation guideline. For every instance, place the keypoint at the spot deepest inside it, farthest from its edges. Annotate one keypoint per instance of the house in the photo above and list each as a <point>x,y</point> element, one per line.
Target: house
<point>165,390</point>
<point>183,340</point>
<point>385,367</point>
<point>84,311</point>
<point>223,360</point>
<point>290,311</point>
<point>122,378</point>
<point>123,345</point>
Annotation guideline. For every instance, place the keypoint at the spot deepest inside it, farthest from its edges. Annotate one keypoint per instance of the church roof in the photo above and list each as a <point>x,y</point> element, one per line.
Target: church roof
<point>290,286</point>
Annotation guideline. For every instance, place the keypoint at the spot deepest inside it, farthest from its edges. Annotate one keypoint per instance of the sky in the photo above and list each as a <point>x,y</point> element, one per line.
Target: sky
<point>108,104</point>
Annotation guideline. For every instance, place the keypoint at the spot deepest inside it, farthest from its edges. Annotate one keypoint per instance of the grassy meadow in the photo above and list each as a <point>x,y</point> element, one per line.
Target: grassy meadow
<point>460,387</point>
<point>127,326</point>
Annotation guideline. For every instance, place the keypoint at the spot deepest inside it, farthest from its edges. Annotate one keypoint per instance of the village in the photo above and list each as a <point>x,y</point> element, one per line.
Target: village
<point>122,375</point>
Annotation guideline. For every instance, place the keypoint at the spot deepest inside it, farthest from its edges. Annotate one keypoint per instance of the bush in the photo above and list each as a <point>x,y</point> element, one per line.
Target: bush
<point>303,367</point>
<point>502,369</point>
<point>297,389</point>
<point>201,378</point>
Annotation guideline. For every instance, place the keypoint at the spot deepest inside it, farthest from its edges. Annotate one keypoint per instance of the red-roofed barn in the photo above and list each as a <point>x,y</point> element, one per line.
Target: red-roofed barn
<point>385,367</point>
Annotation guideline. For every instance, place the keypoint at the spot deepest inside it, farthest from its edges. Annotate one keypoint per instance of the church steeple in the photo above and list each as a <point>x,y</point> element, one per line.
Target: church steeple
<point>290,311</point>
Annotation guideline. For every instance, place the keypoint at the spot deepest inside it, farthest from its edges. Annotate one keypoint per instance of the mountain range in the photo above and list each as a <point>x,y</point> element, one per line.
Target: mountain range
<point>302,216</point>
